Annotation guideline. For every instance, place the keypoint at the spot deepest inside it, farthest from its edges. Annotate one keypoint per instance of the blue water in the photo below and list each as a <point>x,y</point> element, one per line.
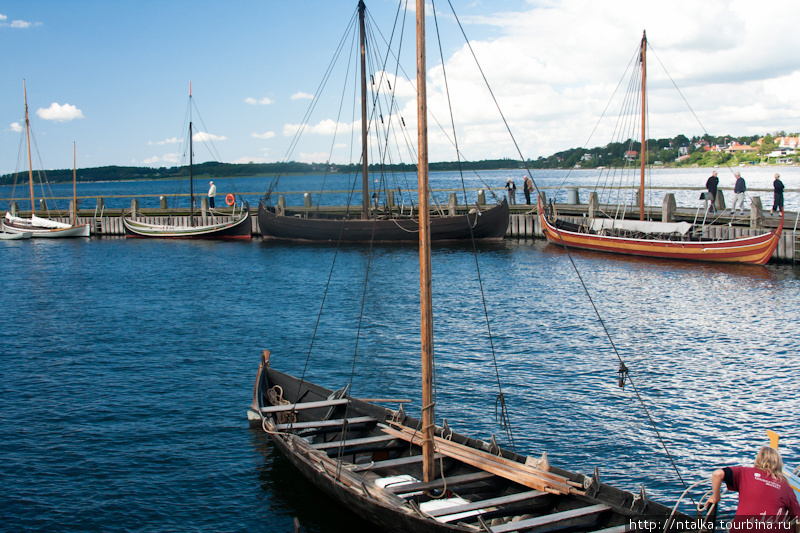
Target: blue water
<point>127,367</point>
<point>683,183</point>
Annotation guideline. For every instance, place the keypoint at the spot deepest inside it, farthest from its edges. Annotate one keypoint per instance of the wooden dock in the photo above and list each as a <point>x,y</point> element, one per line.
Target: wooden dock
<point>523,224</point>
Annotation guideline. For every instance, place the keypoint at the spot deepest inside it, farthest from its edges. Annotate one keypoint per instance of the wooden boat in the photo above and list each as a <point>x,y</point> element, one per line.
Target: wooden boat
<point>14,236</point>
<point>661,241</point>
<point>489,224</point>
<point>404,474</point>
<point>654,238</point>
<point>237,226</point>
<point>36,226</point>
<point>387,225</point>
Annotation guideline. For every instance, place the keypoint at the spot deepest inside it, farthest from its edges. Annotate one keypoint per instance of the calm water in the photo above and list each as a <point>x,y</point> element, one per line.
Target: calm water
<point>555,183</point>
<point>127,368</point>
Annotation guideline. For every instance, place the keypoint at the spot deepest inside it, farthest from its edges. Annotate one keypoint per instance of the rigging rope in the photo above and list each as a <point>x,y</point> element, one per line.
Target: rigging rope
<point>502,416</point>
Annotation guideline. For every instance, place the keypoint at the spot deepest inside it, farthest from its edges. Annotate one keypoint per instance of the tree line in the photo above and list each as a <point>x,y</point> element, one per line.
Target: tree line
<point>660,151</point>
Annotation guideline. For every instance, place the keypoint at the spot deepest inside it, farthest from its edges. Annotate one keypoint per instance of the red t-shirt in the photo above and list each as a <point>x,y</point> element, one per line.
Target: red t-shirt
<point>762,498</point>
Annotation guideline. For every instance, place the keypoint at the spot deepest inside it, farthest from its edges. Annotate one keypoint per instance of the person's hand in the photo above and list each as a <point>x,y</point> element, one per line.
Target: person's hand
<point>712,500</point>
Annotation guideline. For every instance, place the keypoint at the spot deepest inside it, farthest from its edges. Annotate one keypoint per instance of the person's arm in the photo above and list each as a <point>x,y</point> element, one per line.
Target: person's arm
<point>716,485</point>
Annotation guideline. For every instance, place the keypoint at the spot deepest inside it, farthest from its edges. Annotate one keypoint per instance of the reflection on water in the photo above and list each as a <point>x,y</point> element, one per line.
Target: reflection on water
<point>129,364</point>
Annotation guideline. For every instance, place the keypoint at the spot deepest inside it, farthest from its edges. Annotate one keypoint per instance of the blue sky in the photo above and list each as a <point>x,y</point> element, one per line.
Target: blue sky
<point>113,76</point>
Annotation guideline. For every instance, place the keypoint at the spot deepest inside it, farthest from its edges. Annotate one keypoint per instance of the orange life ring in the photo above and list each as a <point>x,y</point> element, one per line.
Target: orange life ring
<point>229,199</point>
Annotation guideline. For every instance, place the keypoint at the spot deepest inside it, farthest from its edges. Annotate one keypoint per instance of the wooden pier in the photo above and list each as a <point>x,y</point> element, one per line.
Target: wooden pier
<point>523,224</point>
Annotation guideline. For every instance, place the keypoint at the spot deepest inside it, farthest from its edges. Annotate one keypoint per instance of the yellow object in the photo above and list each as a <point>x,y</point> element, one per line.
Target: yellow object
<point>773,439</point>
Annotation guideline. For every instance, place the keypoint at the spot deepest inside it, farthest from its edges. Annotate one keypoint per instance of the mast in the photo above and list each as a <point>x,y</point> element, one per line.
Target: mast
<point>643,150</point>
<point>28,135</point>
<point>191,161</point>
<point>365,202</point>
<point>426,305</point>
<point>74,215</point>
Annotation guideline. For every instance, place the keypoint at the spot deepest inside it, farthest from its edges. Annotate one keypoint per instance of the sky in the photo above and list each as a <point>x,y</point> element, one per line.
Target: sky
<point>113,77</point>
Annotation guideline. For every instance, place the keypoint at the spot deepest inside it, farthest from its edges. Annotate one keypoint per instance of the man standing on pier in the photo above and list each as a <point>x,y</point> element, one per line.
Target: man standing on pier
<point>711,190</point>
<point>738,190</point>
<point>212,192</point>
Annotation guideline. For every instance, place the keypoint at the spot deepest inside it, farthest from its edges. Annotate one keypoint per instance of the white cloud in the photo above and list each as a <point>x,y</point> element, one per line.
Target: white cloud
<point>16,127</point>
<point>245,160</point>
<point>202,136</point>
<point>265,135</point>
<point>314,157</point>
<point>16,23</point>
<point>159,159</point>
<point>174,140</point>
<point>302,96</point>
<point>324,127</point>
<point>262,101</point>
<point>60,113</point>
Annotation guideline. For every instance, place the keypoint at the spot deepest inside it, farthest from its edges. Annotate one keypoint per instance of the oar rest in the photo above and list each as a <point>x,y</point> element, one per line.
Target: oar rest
<point>526,475</point>
<point>329,425</point>
<point>302,405</point>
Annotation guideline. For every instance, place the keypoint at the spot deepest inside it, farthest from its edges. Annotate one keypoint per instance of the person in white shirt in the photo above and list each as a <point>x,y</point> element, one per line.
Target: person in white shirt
<point>212,192</point>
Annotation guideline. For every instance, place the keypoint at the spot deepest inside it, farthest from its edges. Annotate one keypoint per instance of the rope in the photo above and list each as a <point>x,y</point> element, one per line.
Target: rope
<point>505,422</point>
<point>626,374</point>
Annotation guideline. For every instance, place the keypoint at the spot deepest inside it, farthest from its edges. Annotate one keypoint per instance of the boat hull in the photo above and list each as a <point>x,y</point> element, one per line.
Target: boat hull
<point>753,250</point>
<point>490,224</point>
<point>239,229</point>
<point>46,233</point>
<point>4,236</point>
<point>318,437</point>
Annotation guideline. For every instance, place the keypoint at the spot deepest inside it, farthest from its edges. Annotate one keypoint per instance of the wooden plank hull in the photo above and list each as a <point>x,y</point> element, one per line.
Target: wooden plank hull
<point>360,470</point>
<point>239,229</point>
<point>754,250</point>
<point>46,233</point>
<point>490,224</point>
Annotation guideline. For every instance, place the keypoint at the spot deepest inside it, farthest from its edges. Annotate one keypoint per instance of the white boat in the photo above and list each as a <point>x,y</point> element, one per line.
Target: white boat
<point>38,226</point>
<point>14,236</point>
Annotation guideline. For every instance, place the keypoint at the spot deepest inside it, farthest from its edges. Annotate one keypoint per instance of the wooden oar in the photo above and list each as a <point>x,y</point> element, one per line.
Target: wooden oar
<point>517,472</point>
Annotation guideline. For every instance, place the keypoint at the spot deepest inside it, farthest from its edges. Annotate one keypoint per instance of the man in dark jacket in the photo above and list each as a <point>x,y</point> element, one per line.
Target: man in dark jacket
<point>738,191</point>
<point>711,190</point>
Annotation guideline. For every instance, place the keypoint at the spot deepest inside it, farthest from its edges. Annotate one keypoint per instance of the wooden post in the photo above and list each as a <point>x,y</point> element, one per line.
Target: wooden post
<point>756,212</point>
<point>134,208</point>
<point>14,209</point>
<point>203,206</point>
<point>481,197</point>
<point>594,204</point>
<point>719,201</point>
<point>307,199</point>
<point>100,204</point>
<point>668,208</point>
<point>281,207</point>
<point>452,202</point>
<point>162,202</point>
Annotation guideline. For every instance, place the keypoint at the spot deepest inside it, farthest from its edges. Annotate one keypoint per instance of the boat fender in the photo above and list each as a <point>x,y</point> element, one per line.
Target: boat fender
<point>229,199</point>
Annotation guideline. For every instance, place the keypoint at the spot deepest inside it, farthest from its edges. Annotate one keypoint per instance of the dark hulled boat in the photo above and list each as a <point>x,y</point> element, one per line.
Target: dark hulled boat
<point>378,225</point>
<point>489,223</point>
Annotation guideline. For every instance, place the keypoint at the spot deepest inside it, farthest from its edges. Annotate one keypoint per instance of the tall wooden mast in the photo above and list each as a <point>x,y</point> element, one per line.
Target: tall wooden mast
<point>426,305</point>
<point>74,213</point>
<point>191,161</point>
<point>365,202</point>
<point>28,136</point>
<point>643,150</point>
